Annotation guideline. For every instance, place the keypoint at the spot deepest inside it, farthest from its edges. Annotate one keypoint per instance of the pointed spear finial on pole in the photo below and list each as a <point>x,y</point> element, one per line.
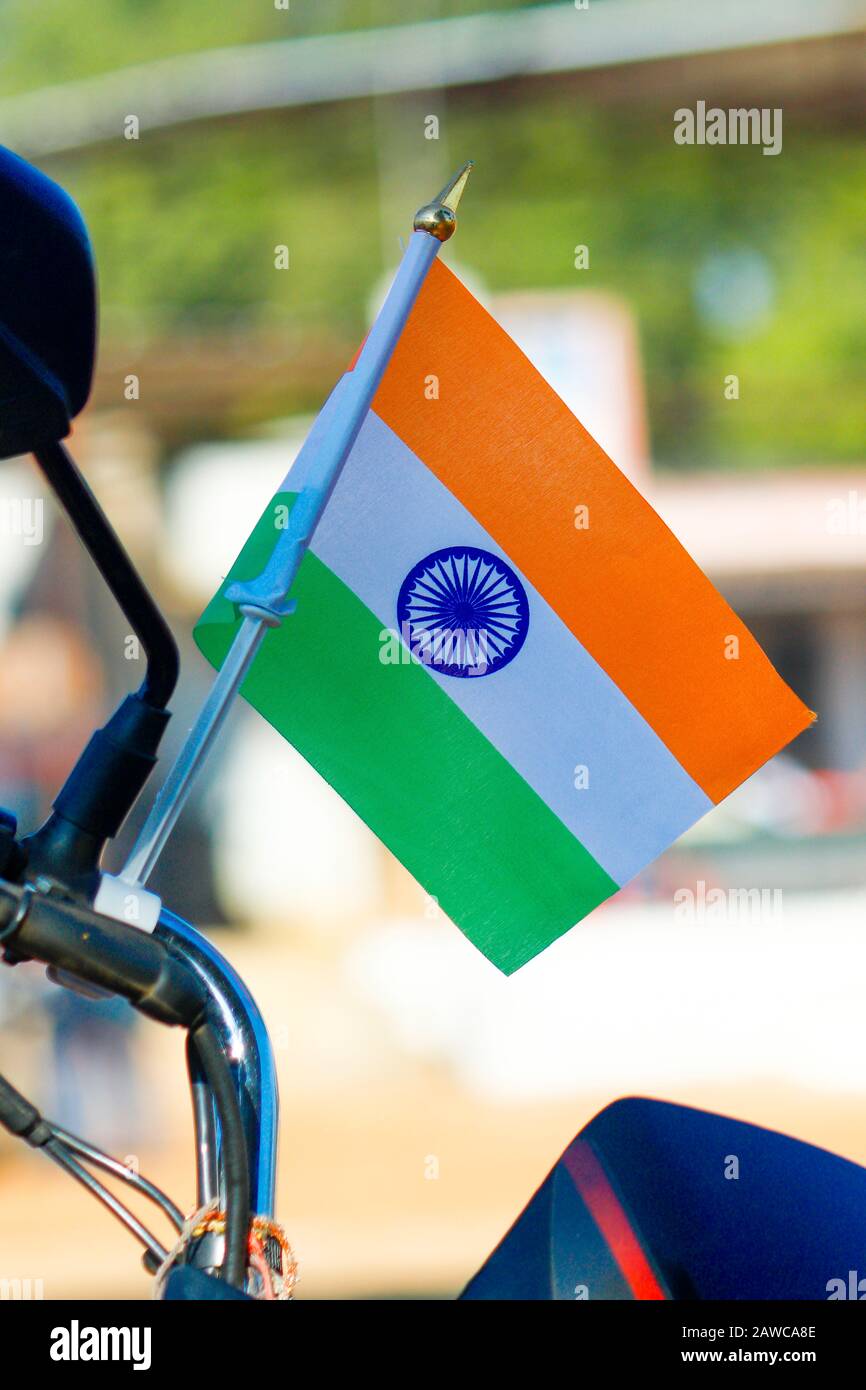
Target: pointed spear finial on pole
<point>439,217</point>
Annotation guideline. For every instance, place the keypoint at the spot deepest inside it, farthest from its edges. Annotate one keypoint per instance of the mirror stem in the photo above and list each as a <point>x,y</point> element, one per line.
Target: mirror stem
<point>110,773</point>
<point>105,549</point>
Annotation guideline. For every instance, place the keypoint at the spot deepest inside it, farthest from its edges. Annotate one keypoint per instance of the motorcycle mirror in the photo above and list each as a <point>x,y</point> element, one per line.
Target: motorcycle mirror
<point>47,309</point>
<point>660,1201</point>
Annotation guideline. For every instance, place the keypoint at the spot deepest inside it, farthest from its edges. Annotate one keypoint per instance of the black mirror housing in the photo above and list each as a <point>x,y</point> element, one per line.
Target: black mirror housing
<point>47,309</point>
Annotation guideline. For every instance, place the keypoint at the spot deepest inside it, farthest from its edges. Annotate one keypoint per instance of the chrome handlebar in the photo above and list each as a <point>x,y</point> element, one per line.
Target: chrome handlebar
<point>244,1039</point>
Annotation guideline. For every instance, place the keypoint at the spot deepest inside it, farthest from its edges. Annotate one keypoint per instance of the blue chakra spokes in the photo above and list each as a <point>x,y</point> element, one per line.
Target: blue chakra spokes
<point>463,611</point>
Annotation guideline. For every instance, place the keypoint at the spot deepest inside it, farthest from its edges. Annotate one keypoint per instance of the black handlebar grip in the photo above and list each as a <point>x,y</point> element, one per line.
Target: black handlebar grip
<point>113,955</point>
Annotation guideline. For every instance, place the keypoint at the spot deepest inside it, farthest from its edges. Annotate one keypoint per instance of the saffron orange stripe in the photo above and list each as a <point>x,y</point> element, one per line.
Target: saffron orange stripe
<point>510,450</point>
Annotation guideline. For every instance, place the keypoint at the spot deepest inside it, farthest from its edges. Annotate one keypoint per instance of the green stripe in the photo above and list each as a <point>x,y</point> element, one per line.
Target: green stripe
<point>411,764</point>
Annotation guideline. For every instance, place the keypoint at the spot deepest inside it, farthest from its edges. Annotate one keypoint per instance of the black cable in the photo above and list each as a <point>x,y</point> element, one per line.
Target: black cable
<point>69,1163</point>
<point>204,1122</point>
<point>104,546</point>
<point>21,1118</point>
<point>100,1159</point>
<point>234,1153</point>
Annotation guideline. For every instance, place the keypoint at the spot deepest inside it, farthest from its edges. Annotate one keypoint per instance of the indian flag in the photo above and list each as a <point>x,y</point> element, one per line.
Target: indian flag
<point>501,657</point>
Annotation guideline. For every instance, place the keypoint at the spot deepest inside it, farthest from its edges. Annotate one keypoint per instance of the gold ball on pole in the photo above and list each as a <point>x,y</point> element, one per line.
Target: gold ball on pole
<point>437,219</point>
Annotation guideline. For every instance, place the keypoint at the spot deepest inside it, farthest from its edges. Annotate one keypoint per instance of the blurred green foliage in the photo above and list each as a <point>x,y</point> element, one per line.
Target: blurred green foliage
<point>185,222</point>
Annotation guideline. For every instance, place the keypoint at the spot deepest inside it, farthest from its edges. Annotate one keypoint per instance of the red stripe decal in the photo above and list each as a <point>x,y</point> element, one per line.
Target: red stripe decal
<point>608,1214</point>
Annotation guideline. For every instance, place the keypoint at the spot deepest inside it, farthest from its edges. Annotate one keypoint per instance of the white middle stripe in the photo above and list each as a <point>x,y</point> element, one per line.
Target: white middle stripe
<point>552,710</point>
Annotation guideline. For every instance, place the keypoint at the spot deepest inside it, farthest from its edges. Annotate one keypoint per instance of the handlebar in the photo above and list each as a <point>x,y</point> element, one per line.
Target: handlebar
<point>36,924</point>
<point>72,937</point>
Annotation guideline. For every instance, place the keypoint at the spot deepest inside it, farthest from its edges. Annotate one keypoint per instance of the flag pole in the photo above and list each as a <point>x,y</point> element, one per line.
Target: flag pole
<point>264,602</point>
